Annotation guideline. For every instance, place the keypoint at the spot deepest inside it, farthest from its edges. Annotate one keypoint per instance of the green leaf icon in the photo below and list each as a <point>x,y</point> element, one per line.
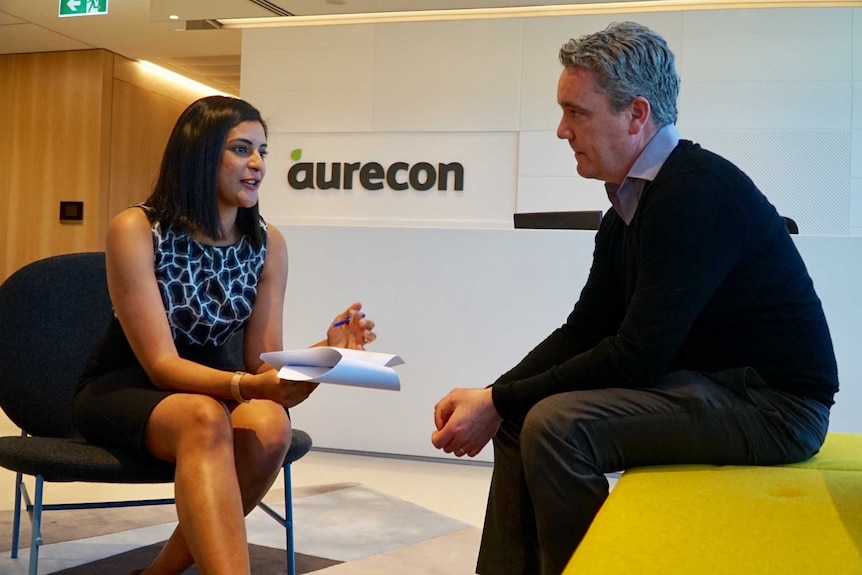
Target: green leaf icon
<point>296,154</point>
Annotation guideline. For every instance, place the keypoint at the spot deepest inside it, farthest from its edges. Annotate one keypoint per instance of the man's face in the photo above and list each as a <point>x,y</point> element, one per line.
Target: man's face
<point>601,137</point>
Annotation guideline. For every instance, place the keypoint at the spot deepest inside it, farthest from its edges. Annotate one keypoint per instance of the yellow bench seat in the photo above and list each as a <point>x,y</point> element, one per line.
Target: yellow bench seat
<point>803,518</point>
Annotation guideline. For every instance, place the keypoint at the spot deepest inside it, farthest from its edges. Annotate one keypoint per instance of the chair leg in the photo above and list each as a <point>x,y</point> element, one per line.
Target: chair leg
<point>288,521</point>
<point>16,517</point>
<point>36,520</point>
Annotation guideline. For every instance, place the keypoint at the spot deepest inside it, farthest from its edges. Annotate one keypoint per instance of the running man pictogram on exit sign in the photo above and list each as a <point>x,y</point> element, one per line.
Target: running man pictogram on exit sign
<point>83,7</point>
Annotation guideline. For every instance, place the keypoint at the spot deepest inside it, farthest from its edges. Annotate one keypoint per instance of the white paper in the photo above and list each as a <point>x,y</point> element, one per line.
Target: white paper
<point>337,365</point>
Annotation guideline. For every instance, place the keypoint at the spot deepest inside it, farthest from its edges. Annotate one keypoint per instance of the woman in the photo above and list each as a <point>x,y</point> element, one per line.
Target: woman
<point>187,270</point>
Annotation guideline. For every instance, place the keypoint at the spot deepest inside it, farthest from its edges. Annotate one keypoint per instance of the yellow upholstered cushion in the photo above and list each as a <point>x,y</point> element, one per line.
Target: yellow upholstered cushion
<point>700,519</point>
<point>840,452</point>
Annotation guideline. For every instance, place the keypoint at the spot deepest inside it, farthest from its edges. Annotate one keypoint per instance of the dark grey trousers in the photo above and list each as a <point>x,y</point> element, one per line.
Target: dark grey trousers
<point>549,470</point>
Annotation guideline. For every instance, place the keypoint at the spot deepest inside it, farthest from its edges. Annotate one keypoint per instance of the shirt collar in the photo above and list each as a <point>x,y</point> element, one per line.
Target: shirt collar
<point>626,196</point>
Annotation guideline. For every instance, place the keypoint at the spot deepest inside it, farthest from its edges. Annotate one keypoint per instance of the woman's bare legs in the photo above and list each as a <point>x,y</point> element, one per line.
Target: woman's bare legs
<point>261,435</point>
<point>226,462</point>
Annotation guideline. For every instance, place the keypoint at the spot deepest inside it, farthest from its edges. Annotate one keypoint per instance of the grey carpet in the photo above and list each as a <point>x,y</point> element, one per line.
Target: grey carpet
<point>264,561</point>
<point>333,524</point>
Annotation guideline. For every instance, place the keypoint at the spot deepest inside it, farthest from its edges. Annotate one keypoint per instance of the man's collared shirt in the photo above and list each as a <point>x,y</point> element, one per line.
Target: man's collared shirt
<point>625,197</point>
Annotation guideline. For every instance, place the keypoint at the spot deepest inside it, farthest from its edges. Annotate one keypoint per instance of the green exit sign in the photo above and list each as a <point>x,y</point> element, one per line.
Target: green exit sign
<point>83,7</point>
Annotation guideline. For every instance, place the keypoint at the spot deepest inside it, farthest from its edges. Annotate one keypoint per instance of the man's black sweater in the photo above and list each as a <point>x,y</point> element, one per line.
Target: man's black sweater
<point>705,278</point>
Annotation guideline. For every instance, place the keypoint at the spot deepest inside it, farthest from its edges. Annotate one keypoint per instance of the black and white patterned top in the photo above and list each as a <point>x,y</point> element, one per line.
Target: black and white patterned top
<point>208,291</point>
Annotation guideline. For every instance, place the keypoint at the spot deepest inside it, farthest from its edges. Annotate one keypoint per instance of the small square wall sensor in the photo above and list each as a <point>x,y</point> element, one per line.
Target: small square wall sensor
<point>71,211</point>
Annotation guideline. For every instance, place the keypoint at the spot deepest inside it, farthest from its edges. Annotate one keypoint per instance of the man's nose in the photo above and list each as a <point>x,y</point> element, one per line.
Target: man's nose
<point>563,131</point>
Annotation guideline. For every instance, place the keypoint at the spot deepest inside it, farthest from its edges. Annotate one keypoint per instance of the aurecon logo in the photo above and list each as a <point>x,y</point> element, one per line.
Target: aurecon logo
<point>420,176</point>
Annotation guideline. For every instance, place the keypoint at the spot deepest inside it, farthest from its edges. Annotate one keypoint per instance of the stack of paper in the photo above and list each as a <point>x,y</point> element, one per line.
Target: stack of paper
<point>337,365</point>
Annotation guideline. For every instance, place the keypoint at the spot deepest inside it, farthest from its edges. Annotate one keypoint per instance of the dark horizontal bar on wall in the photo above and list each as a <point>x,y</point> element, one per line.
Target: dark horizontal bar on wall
<point>578,220</point>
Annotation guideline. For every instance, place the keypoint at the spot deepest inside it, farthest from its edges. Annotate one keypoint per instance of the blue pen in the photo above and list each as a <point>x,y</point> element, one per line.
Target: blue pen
<point>346,320</point>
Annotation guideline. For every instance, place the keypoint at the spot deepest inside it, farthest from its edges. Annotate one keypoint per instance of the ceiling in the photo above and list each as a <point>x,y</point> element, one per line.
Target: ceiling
<point>193,44</point>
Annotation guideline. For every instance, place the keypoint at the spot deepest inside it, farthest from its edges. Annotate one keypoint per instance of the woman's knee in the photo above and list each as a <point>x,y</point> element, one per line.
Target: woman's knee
<point>190,419</point>
<point>264,424</point>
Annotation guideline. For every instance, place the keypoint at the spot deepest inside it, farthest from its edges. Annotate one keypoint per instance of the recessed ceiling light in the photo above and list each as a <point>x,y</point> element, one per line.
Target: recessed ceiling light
<point>174,17</point>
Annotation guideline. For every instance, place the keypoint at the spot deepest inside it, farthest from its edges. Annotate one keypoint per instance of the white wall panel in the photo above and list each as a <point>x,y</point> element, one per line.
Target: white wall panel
<point>767,57</point>
<point>317,79</point>
<point>264,39</point>
<point>772,21</point>
<point>544,154</point>
<point>834,266</point>
<point>319,111</point>
<point>857,44</point>
<point>856,154</point>
<point>857,103</point>
<point>734,105</point>
<point>335,66</point>
<point>548,180</point>
<point>557,193</point>
<point>448,76</point>
<point>331,68</point>
<point>856,204</point>
<point>804,174</point>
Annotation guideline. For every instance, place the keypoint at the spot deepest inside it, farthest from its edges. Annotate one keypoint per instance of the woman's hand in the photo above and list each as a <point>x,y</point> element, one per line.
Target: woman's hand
<point>267,385</point>
<point>351,329</point>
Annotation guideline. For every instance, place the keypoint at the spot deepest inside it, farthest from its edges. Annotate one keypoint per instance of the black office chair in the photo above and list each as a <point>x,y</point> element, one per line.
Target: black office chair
<point>51,313</point>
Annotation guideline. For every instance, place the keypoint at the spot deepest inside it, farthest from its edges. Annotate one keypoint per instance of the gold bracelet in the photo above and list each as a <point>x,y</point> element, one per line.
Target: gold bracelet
<point>234,387</point>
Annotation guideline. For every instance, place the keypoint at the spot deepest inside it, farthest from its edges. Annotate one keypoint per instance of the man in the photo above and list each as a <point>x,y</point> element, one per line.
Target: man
<point>698,337</point>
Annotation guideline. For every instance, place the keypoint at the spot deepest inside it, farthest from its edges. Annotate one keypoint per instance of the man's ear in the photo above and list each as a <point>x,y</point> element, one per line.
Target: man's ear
<point>639,114</point>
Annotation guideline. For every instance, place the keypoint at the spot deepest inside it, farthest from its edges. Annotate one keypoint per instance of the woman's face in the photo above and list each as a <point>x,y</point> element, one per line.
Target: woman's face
<point>242,166</point>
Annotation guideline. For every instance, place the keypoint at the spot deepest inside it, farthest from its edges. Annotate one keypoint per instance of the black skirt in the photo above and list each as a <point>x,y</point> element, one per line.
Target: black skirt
<point>115,397</point>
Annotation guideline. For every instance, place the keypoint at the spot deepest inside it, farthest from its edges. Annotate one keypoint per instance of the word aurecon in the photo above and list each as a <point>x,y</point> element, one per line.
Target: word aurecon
<point>421,176</point>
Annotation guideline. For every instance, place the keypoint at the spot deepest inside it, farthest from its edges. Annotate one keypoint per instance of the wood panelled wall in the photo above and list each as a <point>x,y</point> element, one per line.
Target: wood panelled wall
<point>84,126</point>
<point>56,114</point>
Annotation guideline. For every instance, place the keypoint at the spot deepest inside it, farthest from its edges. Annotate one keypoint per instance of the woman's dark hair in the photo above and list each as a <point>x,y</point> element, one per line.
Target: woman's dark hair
<point>186,193</point>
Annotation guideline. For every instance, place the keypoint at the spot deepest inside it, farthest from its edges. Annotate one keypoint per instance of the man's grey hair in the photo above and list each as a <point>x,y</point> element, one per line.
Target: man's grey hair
<point>629,60</point>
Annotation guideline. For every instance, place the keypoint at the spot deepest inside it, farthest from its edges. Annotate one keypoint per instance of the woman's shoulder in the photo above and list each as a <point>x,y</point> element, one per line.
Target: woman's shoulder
<point>273,233</point>
<point>134,218</point>
<point>130,233</point>
<point>276,249</point>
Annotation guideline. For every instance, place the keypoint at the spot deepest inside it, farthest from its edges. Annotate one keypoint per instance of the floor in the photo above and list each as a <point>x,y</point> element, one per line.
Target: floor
<point>457,490</point>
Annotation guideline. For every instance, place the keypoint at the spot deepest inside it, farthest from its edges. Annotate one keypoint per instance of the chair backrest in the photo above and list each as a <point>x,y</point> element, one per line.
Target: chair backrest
<point>52,311</point>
